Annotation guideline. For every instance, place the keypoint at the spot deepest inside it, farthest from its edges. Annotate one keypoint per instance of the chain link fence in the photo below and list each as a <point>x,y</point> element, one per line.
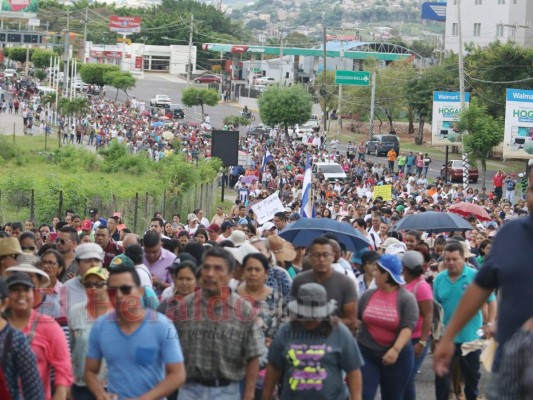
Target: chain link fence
<point>136,212</point>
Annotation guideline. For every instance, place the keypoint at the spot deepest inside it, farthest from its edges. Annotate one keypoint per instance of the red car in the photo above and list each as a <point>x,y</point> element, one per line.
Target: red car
<point>207,79</point>
<point>455,172</point>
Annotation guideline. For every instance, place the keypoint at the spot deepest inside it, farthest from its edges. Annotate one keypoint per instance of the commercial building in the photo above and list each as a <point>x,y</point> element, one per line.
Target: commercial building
<point>485,21</point>
<point>140,57</point>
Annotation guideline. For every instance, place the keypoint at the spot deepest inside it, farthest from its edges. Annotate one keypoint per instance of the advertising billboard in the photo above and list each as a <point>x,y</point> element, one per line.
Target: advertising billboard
<point>446,112</point>
<point>20,5</point>
<point>518,134</point>
<point>124,24</point>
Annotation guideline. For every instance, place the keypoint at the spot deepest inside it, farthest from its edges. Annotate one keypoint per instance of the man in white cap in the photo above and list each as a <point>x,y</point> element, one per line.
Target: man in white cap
<point>87,256</point>
<point>192,224</point>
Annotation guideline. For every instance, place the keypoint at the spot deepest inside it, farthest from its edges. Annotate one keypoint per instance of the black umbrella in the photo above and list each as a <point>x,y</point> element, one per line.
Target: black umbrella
<point>432,221</point>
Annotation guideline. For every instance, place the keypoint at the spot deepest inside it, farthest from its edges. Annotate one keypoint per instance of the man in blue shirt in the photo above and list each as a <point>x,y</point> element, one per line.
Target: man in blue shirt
<point>507,268</point>
<point>140,346</point>
<point>448,289</point>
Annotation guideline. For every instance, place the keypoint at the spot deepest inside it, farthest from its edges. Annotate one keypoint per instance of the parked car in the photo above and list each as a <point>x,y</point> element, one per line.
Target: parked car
<point>299,131</point>
<point>455,172</point>
<point>10,73</point>
<point>160,100</point>
<point>176,110</point>
<point>381,144</point>
<point>264,80</point>
<point>207,78</point>
<point>329,171</point>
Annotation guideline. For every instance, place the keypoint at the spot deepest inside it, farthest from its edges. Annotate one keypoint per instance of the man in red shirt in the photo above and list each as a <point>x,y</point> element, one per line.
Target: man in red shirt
<point>497,181</point>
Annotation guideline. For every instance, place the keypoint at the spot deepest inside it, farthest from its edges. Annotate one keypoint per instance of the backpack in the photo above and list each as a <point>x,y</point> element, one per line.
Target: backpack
<point>437,325</point>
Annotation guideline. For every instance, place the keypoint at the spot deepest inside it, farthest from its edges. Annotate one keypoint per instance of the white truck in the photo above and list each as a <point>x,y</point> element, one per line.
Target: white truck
<point>314,122</point>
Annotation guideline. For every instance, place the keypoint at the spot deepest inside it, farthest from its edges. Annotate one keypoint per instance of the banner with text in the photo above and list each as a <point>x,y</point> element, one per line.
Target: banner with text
<point>124,24</point>
<point>265,210</point>
<point>446,113</point>
<point>518,134</point>
<point>384,191</point>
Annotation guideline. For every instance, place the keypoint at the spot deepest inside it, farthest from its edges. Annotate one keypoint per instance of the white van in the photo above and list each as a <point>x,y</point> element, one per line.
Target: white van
<point>329,171</point>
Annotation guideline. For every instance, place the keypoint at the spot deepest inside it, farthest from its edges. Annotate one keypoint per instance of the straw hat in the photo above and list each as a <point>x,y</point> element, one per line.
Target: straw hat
<point>9,246</point>
<point>283,250</point>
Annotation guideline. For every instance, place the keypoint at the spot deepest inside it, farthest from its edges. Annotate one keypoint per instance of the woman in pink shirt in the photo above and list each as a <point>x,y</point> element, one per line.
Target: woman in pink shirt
<point>44,334</point>
<point>388,315</point>
<point>413,273</point>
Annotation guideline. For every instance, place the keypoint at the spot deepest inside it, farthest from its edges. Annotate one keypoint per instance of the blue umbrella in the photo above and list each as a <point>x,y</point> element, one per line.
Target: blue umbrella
<point>432,221</point>
<point>305,230</point>
<point>157,124</point>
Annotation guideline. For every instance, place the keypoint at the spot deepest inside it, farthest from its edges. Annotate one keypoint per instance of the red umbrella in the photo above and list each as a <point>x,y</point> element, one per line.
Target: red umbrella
<point>468,209</point>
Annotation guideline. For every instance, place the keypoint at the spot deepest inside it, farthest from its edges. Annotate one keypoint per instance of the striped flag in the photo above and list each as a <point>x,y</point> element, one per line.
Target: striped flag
<point>307,210</point>
<point>266,159</point>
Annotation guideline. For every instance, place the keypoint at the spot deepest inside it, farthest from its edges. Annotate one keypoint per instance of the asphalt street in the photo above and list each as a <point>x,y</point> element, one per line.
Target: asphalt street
<point>150,85</point>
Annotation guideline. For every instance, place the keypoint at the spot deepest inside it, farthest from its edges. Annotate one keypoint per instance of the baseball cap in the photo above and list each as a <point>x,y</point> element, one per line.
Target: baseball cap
<point>121,260</point>
<point>19,278</point>
<point>288,210</point>
<point>268,226</point>
<point>491,224</point>
<point>412,259</point>
<point>226,225</point>
<point>93,211</point>
<point>396,249</point>
<point>98,271</point>
<point>117,215</point>
<point>294,216</point>
<point>192,217</point>
<point>243,221</point>
<point>86,225</point>
<point>213,228</point>
<point>393,265</point>
<point>87,251</point>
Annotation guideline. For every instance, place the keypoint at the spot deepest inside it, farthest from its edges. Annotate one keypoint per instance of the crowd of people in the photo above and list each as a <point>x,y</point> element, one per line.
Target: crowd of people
<point>224,307</point>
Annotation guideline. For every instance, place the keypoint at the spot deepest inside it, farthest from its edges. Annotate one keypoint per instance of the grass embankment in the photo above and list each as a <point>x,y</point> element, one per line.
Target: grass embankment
<point>85,178</point>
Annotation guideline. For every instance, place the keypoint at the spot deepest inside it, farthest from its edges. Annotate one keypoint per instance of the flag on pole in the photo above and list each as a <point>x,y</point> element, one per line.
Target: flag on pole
<point>307,210</point>
<point>266,159</point>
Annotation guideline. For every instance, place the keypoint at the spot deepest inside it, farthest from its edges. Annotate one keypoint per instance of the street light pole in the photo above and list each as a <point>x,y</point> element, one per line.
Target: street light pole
<point>189,65</point>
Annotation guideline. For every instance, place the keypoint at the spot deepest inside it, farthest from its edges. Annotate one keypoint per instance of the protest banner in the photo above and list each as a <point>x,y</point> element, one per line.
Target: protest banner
<point>385,192</point>
<point>265,210</point>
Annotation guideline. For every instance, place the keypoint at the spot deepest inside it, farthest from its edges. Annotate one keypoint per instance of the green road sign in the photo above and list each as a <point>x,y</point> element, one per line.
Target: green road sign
<point>359,78</point>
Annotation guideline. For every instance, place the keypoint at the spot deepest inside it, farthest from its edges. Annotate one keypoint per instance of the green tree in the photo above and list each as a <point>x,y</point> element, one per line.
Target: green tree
<point>40,74</point>
<point>93,74</point>
<point>19,54</point>
<point>199,97</point>
<point>481,132</point>
<point>492,69</point>
<point>258,24</point>
<point>419,91</point>
<point>285,105</point>
<point>120,80</point>
<point>327,91</point>
<point>41,58</point>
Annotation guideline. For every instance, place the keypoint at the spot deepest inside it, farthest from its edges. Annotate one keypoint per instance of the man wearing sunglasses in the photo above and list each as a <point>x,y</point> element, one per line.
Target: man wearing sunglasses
<point>140,346</point>
<point>87,256</point>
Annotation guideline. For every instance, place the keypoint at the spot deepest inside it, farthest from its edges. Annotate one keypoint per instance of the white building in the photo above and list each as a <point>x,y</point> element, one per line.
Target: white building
<point>485,21</point>
<point>138,57</point>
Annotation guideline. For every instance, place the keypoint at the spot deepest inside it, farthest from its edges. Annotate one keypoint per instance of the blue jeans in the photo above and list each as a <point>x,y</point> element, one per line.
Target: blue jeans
<point>194,391</point>
<point>392,379</point>
<point>410,390</point>
<point>470,367</point>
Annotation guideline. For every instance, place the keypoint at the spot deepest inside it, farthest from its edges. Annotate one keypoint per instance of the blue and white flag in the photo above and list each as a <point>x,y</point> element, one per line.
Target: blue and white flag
<point>266,159</point>
<point>307,210</point>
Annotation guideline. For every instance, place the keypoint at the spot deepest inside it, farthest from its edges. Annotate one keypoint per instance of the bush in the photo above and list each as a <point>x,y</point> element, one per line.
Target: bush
<point>75,159</point>
<point>118,159</point>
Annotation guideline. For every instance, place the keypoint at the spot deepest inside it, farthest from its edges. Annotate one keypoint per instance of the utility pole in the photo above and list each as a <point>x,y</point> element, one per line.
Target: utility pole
<point>189,66</point>
<point>46,43</point>
<point>372,105</point>
<point>66,55</point>
<point>281,59</point>
<point>85,34</point>
<point>339,120</point>
<point>462,88</point>
<point>324,81</point>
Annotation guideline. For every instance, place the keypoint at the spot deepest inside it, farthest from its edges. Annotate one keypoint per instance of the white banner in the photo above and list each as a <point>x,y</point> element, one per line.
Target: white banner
<point>446,112</point>
<point>518,135</point>
<point>265,210</point>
